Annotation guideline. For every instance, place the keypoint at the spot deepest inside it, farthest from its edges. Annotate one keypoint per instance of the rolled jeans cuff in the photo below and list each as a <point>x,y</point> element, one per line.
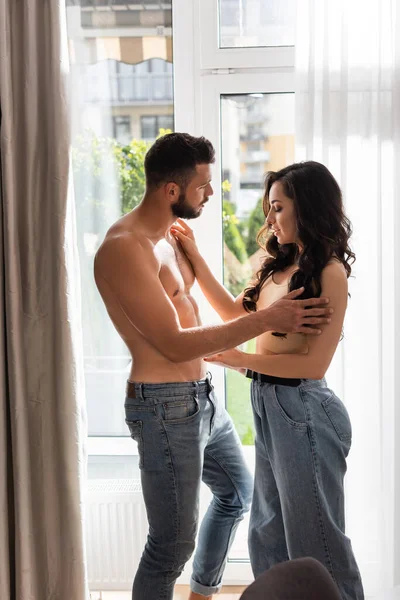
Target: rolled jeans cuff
<point>204,590</point>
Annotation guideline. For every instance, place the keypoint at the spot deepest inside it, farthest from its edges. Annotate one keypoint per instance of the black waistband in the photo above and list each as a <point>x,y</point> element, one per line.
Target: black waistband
<point>274,380</point>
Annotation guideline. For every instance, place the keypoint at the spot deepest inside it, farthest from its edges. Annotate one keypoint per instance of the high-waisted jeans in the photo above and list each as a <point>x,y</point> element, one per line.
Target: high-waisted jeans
<point>303,436</point>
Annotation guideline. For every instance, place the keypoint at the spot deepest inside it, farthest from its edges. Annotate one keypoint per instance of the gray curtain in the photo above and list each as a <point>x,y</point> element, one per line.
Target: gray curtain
<point>42,422</point>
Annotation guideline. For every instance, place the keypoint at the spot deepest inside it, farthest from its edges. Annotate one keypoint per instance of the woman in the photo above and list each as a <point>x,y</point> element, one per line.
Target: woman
<point>303,431</point>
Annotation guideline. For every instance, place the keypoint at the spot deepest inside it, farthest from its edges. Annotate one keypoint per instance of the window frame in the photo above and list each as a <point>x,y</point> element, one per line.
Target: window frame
<point>202,74</point>
<point>198,86</point>
<point>214,57</point>
<point>209,227</point>
<point>157,124</point>
<point>118,120</point>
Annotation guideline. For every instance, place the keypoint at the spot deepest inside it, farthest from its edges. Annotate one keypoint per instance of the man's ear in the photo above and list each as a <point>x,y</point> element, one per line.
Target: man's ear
<point>172,191</point>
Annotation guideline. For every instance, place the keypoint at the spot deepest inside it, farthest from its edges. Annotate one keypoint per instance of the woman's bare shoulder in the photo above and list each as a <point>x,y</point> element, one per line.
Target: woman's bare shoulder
<point>334,280</point>
<point>335,268</point>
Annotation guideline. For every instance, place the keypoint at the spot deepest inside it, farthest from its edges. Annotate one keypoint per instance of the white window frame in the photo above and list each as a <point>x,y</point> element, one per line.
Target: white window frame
<point>203,72</point>
<point>111,446</point>
<point>208,229</point>
<point>214,57</point>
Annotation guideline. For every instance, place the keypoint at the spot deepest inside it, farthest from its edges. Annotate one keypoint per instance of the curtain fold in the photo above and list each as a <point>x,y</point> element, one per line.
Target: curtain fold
<point>42,417</point>
<point>348,117</point>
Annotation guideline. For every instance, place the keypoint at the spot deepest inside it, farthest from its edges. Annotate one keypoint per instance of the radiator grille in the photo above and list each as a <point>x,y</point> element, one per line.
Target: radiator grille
<point>116,531</point>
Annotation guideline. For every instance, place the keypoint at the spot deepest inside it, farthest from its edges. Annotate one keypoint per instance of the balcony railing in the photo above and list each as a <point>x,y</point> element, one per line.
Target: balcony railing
<point>117,4</point>
<point>120,89</point>
<point>256,156</point>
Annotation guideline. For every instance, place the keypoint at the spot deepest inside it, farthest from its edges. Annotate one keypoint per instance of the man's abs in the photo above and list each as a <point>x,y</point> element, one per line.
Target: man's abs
<point>150,366</point>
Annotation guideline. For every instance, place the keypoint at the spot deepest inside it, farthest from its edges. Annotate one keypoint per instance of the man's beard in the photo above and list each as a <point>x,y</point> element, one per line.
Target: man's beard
<point>182,210</point>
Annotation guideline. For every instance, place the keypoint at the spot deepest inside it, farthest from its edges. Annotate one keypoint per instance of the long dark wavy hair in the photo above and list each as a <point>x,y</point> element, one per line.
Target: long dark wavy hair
<point>323,231</point>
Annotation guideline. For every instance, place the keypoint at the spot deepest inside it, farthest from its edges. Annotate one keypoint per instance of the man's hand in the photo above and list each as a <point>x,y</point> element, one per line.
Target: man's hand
<point>232,359</point>
<point>289,315</point>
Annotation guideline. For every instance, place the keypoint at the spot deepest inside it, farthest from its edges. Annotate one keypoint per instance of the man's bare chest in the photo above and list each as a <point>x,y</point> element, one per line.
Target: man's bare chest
<point>176,273</point>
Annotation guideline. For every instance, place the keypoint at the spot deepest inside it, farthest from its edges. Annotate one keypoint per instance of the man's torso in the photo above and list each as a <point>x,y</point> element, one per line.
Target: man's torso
<point>177,278</point>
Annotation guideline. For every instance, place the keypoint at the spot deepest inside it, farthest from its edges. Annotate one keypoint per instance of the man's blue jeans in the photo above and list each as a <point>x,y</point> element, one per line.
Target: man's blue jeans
<point>303,436</point>
<point>184,436</point>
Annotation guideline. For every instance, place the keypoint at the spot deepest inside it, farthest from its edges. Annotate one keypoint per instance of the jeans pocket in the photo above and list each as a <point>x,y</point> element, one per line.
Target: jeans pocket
<point>290,405</point>
<point>339,417</point>
<point>136,427</point>
<point>182,410</point>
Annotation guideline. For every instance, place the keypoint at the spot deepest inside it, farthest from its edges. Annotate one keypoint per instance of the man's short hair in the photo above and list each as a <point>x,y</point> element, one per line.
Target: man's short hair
<point>174,157</point>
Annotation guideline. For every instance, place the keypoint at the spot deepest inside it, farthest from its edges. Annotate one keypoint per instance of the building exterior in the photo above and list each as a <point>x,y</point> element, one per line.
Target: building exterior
<point>121,65</point>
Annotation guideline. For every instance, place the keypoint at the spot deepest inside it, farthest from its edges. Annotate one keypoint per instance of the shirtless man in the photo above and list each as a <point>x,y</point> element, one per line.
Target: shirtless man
<point>184,435</point>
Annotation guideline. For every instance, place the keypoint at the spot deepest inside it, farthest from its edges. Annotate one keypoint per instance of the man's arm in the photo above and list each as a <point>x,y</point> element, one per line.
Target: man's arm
<point>321,349</point>
<point>131,274</point>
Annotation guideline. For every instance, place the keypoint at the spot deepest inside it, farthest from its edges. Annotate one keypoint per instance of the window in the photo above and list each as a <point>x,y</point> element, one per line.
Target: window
<point>121,71</point>
<point>244,103</point>
<point>126,84</point>
<point>242,208</point>
<point>122,129</point>
<point>151,125</point>
<point>249,23</point>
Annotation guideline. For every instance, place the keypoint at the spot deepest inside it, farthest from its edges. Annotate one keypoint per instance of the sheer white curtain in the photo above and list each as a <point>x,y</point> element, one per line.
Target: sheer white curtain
<point>348,117</point>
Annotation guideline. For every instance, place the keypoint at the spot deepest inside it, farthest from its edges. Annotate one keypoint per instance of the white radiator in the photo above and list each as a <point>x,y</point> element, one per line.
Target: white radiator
<point>116,532</point>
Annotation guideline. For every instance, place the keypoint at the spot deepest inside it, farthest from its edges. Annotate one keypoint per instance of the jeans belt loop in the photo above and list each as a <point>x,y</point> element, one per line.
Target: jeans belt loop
<point>140,392</point>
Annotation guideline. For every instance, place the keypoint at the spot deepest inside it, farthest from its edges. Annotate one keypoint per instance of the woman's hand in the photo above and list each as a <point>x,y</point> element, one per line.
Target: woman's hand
<point>233,359</point>
<point>185,236</point>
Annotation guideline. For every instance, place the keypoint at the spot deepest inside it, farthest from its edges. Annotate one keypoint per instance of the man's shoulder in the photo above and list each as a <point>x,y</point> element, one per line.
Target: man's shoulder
<point>124,248</point>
